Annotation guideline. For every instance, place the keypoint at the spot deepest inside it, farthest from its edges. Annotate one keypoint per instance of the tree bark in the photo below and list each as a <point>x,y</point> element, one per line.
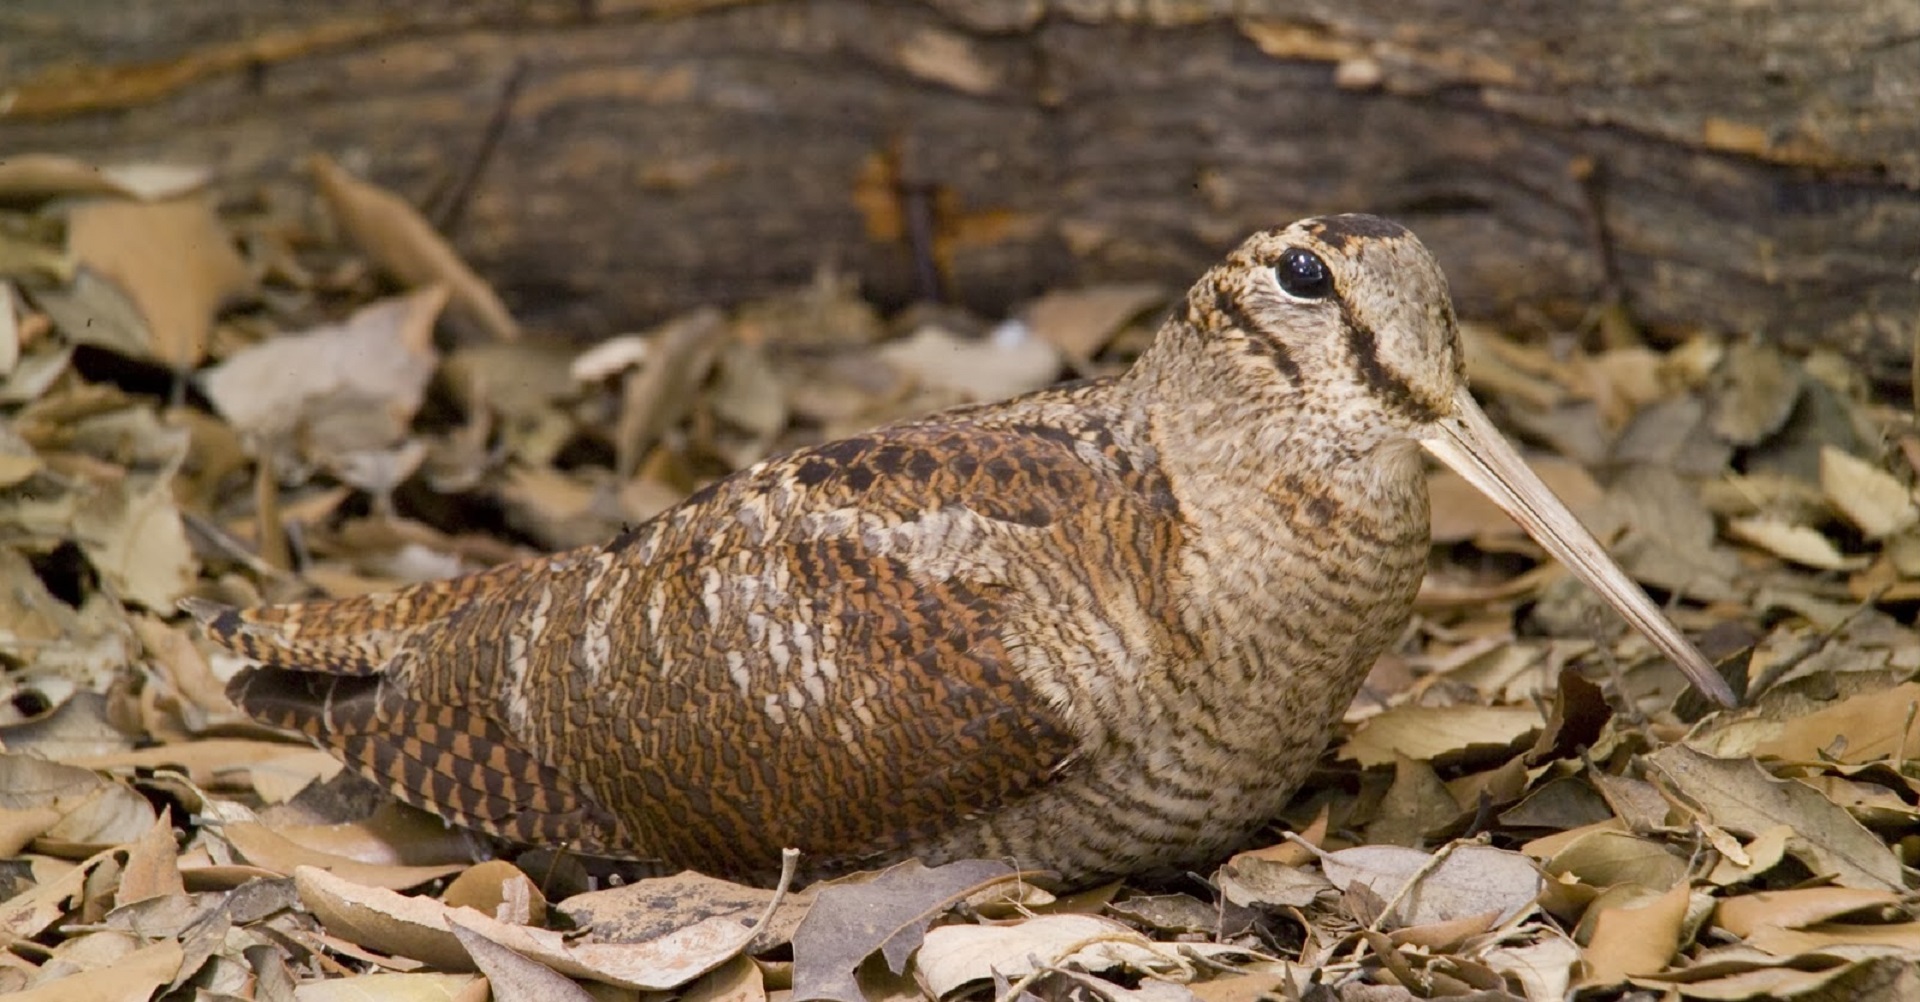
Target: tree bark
<point>1715,164</point>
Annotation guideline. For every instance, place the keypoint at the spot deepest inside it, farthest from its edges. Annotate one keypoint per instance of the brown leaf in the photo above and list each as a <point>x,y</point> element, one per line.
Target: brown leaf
<point>954,956</point>
<point>1470,880</point>
<point>1738,795</point>
<point>1443,937</point>
<point>1756,388</point>
<point>1606,858</point>
<point>133,535</point>
<point>1080,322</point>
<point>392,834</point>
<point>1003,365</point>
<point>173,259</point>
<point>498,888</point>
<point>263,847</point>
<point>1244,988</point>
<point>111,815</point>
<point>1793,909</point>
<point>395,236</point>
<point>886,913</point>
<point>1249,880</point>
<point>182,666</point>
<point>654,398</point>
<point>1834,936</point>
<point>32,176</point>
<point>1415,805</point>
<point>1863,728</point>
<point>30,912</point>
<point>1876,502</point>
<point>1798,543</point>
<point>1461,513</point>
<point>515,978</point>
<point>737,980</point>
<point>422,987</point>
<point>421,928</point>
<point>649,909</point>
<point>1543,968</point>
<point>1636,939</point>
<point>133,978</point>
<point>152,869</point>
<point>214,761</point>
<point>1439,732</point>
<point>346,387</point>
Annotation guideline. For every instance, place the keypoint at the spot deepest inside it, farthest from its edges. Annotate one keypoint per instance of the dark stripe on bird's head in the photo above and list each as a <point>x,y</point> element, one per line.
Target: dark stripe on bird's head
<point>1338,232</point>
<point>1391,386</point>
<point>1258,341</point>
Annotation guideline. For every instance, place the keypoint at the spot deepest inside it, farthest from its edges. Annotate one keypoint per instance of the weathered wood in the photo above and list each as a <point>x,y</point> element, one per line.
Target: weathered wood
<point>1750,167</point>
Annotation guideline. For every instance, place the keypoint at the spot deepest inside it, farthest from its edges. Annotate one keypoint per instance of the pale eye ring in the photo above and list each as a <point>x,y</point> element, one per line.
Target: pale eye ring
<point>1303,275</point>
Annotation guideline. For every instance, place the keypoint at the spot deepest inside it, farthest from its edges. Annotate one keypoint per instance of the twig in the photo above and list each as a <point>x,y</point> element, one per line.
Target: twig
<point>453,204</point>
<point>232,548</point>
<point>1819,643</point>
<point>1426,869</point>
<point>916,206</point>
<point>1900,752</point>
<point>1042,970</point>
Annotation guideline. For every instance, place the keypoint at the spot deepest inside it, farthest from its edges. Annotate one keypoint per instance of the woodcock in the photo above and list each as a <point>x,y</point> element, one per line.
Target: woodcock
<point>1101,629</point>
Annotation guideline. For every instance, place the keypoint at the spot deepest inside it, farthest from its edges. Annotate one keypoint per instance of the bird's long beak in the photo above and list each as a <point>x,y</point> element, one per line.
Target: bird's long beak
<point>1470,444</point>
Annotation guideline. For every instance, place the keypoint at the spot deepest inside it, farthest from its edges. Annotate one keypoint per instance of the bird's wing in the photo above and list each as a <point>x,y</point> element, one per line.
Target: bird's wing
<point>824,651</point>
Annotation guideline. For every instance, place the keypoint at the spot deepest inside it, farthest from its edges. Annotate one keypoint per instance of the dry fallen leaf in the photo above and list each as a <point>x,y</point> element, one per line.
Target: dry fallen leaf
<point>1798,543</point>
<point>1009,362</point>
<point>1603,856</point>
<point>1636,939</point>
<point>35,176</point>
<point>954,956</point>
<point>497,888</point>
<point>1736,794</point>
<point>1249,880</point>
<point>132,533</point>
<point>512,977</point>
<point>1756,388</point>
<point>350,387</point>
<point>1797,908</point>
<point>1470,880</point>
<point>264,847</point>
<point>399,240</point>
<point>1864,728</point>
<point>173,259</point>
<point>737,980</point>
<point>422,927</point>
<point>1427,733</point>
<point>133,978</point>
<point>394,988</point>
<point>1871,498</point>
<point>651,908</point>
<point>1833,937</point>
<point>887,913</point>
<point>1080,322</point>
<point>152,869</point>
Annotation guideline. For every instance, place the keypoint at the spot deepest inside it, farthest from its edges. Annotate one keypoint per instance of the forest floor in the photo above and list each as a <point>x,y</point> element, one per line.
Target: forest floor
<point>305,393</point>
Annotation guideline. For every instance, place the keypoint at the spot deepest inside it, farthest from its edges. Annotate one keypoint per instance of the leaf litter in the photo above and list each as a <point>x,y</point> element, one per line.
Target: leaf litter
<point>307,392</point>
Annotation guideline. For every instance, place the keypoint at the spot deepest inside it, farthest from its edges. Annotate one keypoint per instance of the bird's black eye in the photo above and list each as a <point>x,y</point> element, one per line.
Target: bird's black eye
<point>1303,275</point>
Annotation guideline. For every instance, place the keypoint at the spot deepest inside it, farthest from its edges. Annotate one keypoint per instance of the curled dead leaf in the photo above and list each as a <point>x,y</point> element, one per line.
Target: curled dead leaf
<point>404,244</point>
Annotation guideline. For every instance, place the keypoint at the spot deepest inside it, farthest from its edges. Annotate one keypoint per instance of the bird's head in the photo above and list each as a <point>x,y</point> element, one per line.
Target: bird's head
<point>1344,319</point>
<point>1342,326</point>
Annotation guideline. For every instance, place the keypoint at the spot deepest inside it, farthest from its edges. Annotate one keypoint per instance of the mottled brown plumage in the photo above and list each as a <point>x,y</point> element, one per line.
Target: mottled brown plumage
<point>1103,628</point>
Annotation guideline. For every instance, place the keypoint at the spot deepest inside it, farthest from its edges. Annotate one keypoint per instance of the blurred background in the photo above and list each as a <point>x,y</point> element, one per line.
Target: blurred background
<point>1727,165</point>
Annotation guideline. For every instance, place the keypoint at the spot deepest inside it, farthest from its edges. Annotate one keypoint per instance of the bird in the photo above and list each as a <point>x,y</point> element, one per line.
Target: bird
<point>1104,629</point>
